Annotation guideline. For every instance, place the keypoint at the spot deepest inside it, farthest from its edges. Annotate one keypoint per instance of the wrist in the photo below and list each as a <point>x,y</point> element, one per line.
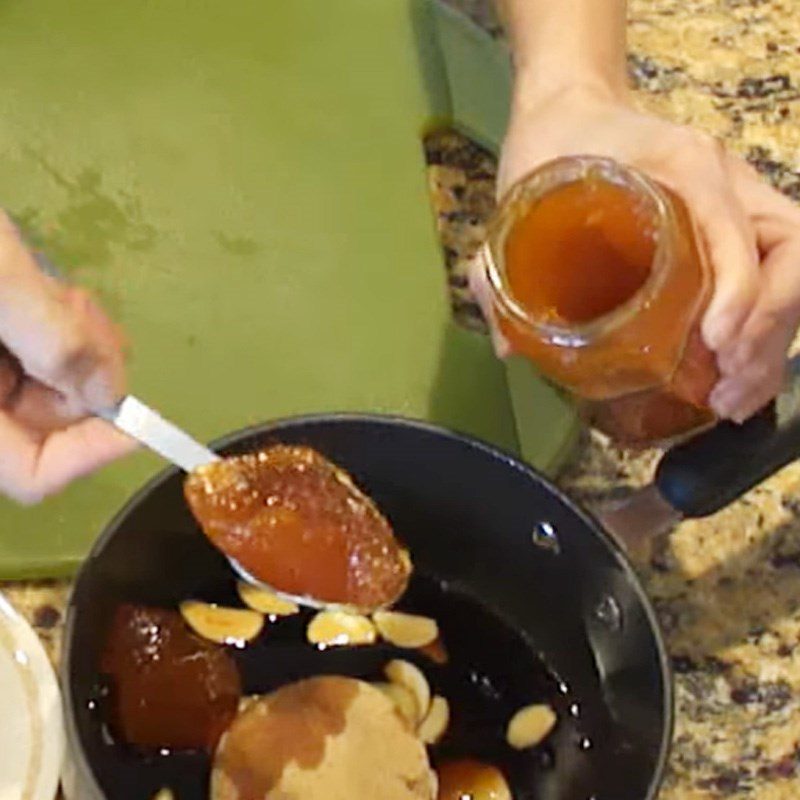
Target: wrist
<point>536,85</point>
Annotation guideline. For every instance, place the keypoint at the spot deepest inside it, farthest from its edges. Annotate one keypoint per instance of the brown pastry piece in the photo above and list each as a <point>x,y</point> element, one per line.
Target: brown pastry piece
<point>325,738</point>
<point>297,522</point>
<point>169,688</point>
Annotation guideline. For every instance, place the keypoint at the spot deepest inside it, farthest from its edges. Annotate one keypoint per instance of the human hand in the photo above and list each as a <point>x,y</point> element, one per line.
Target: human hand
<point>751,231</point>
<point>60,360</point>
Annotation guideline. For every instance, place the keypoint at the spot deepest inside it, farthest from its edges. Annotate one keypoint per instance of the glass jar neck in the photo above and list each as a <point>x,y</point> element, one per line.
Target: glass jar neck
<point>527,192</point>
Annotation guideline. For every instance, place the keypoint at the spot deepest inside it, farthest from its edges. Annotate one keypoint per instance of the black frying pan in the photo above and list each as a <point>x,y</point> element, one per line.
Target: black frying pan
<point>521,623</point>
<point>564,621</point>
<point>569,625</point>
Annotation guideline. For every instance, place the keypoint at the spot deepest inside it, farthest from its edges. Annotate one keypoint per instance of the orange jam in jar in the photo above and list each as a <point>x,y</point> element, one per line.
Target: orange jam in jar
<point>598,278</point>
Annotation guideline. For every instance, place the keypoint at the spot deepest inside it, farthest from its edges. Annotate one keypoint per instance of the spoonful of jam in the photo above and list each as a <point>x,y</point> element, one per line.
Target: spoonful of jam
<point>289,518</point>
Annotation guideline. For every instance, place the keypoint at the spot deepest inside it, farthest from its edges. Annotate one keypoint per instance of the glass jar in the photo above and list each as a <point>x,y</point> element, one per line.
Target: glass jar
<point>598,277</point>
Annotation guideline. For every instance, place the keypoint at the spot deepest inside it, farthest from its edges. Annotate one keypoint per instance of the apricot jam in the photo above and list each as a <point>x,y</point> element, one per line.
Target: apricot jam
<point>599,279</point>
<point>297,522</point>
<point>467,779</point>
<point>168,688</point>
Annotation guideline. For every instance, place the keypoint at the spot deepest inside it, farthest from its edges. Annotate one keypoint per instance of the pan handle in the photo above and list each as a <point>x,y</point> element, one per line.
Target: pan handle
<point>706,473</point>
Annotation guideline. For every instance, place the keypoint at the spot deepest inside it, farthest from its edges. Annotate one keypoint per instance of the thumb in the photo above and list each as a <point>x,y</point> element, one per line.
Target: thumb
<point>54,332</point>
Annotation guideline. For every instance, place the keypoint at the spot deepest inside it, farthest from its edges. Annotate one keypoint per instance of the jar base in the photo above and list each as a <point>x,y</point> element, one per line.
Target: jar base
<point>650,419</point>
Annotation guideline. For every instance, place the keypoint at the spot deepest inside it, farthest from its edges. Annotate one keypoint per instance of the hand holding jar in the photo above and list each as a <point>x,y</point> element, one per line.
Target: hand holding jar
<point>570,100</point>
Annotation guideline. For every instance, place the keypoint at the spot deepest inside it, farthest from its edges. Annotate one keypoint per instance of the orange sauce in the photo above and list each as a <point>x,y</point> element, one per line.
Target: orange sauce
<point>467,779</point>
<point>292,519</point>
<point>581,252</point>
<point>586,250</point>
<point>169,689</point>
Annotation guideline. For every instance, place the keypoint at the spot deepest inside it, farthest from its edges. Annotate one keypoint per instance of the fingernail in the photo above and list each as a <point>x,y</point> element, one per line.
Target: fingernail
<point>746,410</point>
<point>724,399</point>
<point>737,402</point>
<point>717,332</point>
<point>732,356</point>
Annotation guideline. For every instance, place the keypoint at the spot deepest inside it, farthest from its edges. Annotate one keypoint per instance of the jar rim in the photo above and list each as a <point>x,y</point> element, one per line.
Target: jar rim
<point>540,181</point>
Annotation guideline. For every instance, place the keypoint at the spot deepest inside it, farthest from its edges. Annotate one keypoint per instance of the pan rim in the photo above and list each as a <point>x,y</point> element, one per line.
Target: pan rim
<point>85,774</point>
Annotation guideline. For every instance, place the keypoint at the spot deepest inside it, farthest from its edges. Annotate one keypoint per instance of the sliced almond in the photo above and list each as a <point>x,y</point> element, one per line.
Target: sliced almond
<point>164,794</point>
<point>220,624</point>
<point>265,601</point>
<point>435,723</point>
<point>403,700</point>
<point>411,677</point>
<point>406,630</point>
<point>530,725</point>
<point>338,628</point>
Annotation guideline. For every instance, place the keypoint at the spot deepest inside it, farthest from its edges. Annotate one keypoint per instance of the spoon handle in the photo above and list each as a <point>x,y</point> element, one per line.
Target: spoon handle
<point>136,419</point>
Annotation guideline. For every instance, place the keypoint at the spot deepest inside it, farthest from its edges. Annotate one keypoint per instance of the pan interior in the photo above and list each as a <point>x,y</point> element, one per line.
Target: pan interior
<point>521,623</point>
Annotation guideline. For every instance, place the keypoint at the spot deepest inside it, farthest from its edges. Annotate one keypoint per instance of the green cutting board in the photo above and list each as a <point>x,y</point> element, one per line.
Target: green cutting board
<point>242,183</point>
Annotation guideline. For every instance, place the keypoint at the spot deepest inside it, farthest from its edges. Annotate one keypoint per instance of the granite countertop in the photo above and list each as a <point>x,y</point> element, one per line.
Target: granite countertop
<point>727,589</point>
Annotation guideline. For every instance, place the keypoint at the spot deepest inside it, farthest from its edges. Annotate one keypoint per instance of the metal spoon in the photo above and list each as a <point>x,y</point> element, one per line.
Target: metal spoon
<point>138,420</point>
<point>133,417</point>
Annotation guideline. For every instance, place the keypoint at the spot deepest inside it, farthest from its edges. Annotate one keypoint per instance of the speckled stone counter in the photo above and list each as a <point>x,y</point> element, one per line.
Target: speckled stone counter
<point>727,589</point>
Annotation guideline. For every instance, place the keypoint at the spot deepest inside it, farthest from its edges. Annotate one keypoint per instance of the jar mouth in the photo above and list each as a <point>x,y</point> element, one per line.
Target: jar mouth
<point>536,184</point>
